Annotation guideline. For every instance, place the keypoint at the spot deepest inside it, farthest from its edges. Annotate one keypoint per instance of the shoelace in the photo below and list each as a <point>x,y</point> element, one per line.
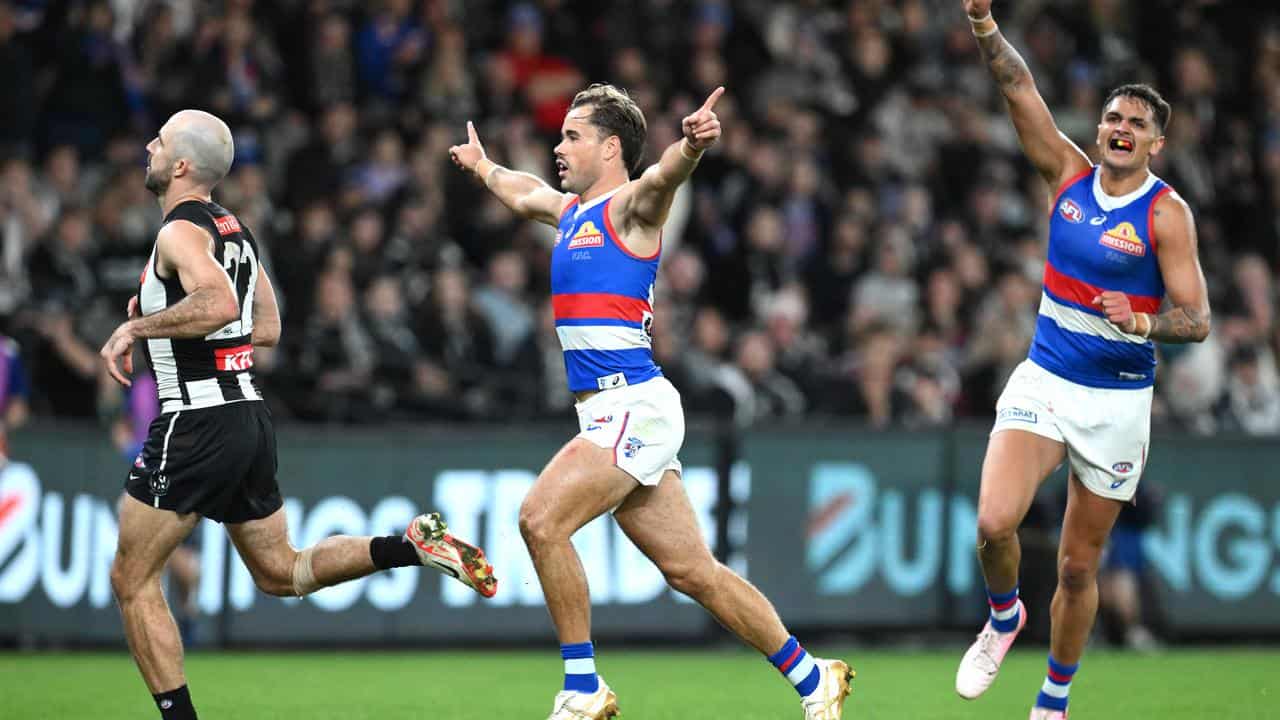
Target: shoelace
<point>988,639</point>
<point>562,706</point>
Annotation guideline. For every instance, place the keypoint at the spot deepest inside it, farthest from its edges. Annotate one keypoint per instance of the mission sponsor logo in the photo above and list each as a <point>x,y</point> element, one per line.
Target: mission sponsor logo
<point>1124,238</point>
<point>587,236</point>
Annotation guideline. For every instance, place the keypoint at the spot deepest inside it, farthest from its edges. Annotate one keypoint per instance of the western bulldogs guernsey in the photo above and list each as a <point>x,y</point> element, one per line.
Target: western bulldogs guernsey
<point>1097,242</point>
<point>602,296</point>
<point>214,370</point>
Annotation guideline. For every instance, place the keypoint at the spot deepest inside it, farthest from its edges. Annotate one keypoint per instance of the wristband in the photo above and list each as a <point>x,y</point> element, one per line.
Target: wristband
<point>697,154</point>
<point>1142,332</point>
<point>984,26</point>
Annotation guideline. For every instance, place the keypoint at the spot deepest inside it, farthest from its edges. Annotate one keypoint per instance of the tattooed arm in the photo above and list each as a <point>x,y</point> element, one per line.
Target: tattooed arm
<point>1052,153</point>
<point>1187,319</point>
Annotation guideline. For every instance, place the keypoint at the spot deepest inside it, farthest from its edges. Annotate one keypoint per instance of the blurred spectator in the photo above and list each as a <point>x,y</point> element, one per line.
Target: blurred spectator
<point>387,48</point>
<point>17,83</point>
<point>337,354</point>
<point>86,103</point>
<point>459,345</point>
<point>15,388</point>
<point>1252,400</point>
<point>505,306</point>
<point>545,82</point>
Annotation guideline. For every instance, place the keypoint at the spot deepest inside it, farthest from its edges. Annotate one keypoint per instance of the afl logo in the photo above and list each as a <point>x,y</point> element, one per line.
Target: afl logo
<point>1122,467</point>
<point>1070,211</point>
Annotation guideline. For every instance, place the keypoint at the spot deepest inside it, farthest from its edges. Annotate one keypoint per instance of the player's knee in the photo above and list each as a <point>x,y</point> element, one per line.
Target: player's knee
<point>1076,574</point>
<point>537,527</point>
<point>996,527</point>
<point>695,578</point>
<point>123,584</point>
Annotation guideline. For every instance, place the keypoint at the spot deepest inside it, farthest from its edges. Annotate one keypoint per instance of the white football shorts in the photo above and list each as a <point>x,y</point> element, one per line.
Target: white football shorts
<point>1106,431</point>
<point>642,424</point>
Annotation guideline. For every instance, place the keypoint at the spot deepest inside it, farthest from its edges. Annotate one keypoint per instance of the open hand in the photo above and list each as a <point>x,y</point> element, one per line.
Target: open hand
<point>468,155</point>
<point>120,346</point>
<point>702,127</point>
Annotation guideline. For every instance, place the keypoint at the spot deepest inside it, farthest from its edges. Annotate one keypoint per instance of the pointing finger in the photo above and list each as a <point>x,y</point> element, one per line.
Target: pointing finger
<point>471,134</point>
<point>711,100</point>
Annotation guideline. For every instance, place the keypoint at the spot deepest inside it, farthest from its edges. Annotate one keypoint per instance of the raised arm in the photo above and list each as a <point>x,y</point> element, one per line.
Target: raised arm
<point>650,197</point>
<point>1174,240</point>
<point>527,195</point>
<point>210,303</point>
<point>1052,153</point>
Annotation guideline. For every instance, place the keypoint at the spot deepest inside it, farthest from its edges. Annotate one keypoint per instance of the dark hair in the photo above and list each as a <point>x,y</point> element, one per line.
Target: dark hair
<point>1147,95</point>
<point>615,113</point>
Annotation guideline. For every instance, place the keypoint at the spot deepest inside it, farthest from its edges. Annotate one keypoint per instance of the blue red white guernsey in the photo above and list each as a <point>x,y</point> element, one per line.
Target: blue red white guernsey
<point>214,370</point>
<point>602,295</point>
<point>1098,242</point>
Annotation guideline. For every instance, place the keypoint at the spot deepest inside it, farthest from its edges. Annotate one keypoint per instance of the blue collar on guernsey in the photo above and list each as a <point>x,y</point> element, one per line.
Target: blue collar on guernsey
<point>1111,202</point>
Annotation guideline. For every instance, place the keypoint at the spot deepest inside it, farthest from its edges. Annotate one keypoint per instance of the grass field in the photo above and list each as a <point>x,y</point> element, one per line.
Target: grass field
<point>651,685</point>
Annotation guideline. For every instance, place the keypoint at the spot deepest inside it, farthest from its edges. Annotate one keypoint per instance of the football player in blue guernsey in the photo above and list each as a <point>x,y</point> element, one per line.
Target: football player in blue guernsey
<point>1122,272</point>
<point>603,268</point>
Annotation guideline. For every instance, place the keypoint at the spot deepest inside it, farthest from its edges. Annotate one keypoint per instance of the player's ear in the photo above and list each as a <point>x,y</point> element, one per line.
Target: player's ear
<point>181,166</point>
<point>1157,145</point>
<point>612,147</point>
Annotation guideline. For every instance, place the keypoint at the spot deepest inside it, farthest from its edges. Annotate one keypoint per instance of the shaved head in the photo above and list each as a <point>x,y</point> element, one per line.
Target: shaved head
<point>202,140</point>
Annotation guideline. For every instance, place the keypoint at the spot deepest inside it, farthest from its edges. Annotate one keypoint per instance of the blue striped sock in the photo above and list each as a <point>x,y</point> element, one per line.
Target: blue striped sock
<point>580,667</point>
<point>1057,683</point>
<point>1004,610</point>
<point>797,665</point>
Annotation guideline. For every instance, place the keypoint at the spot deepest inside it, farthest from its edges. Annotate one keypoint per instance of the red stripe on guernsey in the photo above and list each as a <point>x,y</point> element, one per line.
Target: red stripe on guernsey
<point>617,240</point>
<point>233,359</point>
<point>621,432</point>
<point>1004,605</point>
<point>593,306</point>
<point>1151,216</point>
<point>572,204</point>
<point>1082,293</point>
<point>1059,678</point>
<point>790,662</point>
<point>1070,181</point>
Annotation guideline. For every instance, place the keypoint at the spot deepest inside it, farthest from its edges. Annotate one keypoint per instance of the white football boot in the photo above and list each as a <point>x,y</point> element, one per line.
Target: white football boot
<point>982,660</point>
<point>451,556</point>
<point>599,705</point>
<point>826,702</point>
<point>1039,713</point>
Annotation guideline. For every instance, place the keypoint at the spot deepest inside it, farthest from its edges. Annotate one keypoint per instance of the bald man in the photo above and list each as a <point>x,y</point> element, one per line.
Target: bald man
<point>203,305</point>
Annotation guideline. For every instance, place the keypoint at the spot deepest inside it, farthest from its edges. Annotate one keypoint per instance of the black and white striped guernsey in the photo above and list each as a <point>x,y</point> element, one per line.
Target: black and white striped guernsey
<point>214,370</point>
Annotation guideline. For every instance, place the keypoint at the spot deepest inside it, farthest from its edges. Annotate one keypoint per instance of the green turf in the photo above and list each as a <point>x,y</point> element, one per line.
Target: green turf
<point>651,685</point>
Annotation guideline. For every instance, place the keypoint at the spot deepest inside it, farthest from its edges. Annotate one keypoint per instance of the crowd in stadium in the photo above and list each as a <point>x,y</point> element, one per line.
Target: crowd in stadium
<point>866,241</point>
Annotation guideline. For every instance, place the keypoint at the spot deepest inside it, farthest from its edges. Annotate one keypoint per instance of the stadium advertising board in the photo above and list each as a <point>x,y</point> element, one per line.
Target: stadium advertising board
<point>889,524</point>
<point>839,528</point>
<point>57,538</point>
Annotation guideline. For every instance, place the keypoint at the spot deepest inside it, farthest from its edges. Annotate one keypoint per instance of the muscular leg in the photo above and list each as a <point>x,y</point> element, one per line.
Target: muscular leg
<point>578,485</point>
<point>1085,528</point>
<point>264,546</point>
<point>148,537</point>
<point>660,521</point>
<point>1016,463</point>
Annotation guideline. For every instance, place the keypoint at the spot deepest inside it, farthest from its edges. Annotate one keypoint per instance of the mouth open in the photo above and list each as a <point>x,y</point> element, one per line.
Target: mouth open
<point>561,166</point>
<point>1121,145</point>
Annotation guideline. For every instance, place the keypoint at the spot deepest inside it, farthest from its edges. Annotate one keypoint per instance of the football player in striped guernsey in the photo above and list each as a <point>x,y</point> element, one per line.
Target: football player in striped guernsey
<point>1122,272</point>
<point>603,267</point>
